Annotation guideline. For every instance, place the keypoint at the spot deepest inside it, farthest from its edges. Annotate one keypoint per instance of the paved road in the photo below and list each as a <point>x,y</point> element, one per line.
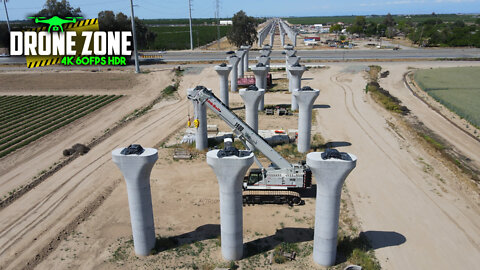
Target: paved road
<point>338,54</point>
<point>317,55</point>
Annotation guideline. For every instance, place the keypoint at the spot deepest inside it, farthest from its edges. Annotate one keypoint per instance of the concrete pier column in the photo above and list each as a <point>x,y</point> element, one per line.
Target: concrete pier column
<point>230,171</point>
<point>291,61</point>
<point>136,164</point>
<point>240,54</point>
<point>265,52</point>
<point>261,72</point>
<point>265,60</point>
<point>296,73</point>
<point>233,61</point>
<point>289,47</point>
<point>330,169</point>
<point>223,70</point>
<point>289,51</point>
<point>251,97</point>
<point>272,38</point>
<point>246,57</point>
<point>305,98</point>
<point>201,136</point>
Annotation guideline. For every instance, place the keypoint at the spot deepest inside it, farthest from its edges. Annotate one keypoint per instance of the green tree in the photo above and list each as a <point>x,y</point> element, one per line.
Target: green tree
<point>381,29</point>
<point>358,26</point>
<point>61,9</point>
<point>390,32</point>
<point>243,31</point>
<point>389,21</point>
<point>335,28</point>
<point>109,21</point>
<point>371,29</point>
<point>360,21</point>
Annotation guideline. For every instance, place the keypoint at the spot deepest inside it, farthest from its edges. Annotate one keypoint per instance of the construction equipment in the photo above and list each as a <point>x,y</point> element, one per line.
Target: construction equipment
<point>277,183</point>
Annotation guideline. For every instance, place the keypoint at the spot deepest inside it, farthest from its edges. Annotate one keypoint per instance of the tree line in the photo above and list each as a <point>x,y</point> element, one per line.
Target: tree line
<point>428,33</point>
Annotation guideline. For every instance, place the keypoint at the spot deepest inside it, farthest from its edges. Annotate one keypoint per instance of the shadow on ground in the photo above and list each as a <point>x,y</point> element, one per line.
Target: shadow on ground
<point>366,241</point>
<point>285,235</point>
<point>321,106</point>
<point>237,108</point>
<point>204,232</point>
<point>337,144</point>
<point>348,246</point>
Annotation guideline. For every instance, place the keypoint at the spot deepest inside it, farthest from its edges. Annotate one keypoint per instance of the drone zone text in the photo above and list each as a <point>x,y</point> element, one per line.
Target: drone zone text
<point>63,43</point>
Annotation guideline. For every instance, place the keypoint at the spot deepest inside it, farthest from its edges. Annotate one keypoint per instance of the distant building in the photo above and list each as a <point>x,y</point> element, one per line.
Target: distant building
<point>321,28</point>
<point>228,22</point>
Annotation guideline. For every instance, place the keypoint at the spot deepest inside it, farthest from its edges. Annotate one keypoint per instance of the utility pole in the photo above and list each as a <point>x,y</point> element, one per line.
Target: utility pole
<point>6,12</point>
<point>190,15</point>
<point>217,16</point>
<point>135,51</point>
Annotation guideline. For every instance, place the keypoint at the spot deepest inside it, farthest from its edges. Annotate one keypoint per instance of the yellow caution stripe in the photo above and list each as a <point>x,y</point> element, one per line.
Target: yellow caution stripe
<point>151,56</point>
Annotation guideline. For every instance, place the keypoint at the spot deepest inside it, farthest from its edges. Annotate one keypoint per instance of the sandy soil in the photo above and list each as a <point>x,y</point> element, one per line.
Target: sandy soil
<point>138,91</point>
<point>397,186</point>
<point>14,83</point>
<point>417,212</point>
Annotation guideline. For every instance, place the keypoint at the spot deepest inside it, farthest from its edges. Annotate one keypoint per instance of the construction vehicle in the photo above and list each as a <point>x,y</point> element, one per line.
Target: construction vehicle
<point>278,183</point>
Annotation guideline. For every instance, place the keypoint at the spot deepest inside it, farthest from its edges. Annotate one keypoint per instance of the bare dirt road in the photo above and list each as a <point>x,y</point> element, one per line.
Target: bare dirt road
<point>39,156</point>
<point>406,199</point>
<point>39,215</point>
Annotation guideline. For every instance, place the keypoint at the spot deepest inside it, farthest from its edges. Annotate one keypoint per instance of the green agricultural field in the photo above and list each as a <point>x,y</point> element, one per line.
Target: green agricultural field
<point>24,119</point>
<point>178,37</point>
<point>456,88</point>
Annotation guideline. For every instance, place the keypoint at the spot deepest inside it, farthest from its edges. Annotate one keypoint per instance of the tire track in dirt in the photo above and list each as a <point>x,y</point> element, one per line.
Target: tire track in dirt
<point>33,211</point>
<point>371,128</point>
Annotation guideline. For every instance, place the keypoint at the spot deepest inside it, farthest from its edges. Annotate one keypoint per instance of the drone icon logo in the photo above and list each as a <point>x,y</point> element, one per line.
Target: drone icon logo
<point>55,22</point>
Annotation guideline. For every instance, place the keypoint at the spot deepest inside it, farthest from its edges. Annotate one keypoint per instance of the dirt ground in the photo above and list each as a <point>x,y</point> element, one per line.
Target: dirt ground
<point>417,212</point>
<point>138,91</point>
<point>42,81</point>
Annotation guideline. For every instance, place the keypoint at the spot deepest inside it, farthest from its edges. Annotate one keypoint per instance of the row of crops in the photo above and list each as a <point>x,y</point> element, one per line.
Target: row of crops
<point>24,119</point>
<point>456,88</point>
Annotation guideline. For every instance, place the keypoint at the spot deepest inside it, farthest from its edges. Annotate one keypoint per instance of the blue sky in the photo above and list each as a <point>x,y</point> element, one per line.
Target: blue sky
<point>147,9</point>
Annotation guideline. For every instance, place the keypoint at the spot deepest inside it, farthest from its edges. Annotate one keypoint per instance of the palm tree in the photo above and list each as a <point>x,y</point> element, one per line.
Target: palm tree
<point>6,12</point>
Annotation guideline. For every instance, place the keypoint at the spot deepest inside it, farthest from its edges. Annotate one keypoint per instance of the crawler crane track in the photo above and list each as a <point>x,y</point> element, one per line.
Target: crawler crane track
<point>251,197</point>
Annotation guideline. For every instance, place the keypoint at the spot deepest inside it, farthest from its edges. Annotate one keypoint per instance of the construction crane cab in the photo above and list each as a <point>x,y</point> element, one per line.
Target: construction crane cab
<point>254,176</point>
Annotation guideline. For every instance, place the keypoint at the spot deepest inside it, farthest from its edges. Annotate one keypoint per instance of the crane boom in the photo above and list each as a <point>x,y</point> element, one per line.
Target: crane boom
<point>240,128</point>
